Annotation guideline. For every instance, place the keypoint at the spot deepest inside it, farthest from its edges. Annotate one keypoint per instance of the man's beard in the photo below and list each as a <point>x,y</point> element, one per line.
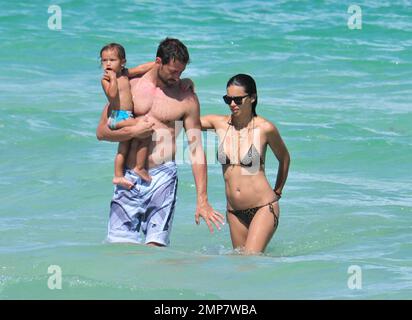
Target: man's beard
<point>165,81</point>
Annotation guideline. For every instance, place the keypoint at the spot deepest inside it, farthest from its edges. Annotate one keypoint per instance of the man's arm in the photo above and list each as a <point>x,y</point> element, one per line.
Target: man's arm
<point>199,165</point>
<point>142,129</point>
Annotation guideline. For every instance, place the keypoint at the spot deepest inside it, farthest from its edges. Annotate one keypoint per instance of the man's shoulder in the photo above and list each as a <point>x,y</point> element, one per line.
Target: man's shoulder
<point>135,80</point>
<point>188,98</point>
<point>188,95</point>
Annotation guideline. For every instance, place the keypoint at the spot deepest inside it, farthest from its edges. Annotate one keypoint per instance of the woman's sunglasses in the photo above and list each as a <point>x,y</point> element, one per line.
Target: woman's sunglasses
<point>238,100</point>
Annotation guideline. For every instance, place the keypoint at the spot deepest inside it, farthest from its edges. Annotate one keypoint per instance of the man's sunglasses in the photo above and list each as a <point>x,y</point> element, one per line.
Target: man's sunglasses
<point>238,100</point>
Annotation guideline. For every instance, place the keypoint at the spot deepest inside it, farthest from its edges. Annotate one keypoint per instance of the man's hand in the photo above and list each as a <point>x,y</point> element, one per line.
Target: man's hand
<point>204,210</point>
<point>143,128</point>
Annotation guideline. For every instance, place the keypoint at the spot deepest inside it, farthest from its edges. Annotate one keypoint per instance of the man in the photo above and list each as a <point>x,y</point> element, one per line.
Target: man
<point>149,206</point>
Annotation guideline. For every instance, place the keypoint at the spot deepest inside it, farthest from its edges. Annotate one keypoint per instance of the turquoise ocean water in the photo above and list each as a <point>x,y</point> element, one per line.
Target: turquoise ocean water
<point>341,99</point>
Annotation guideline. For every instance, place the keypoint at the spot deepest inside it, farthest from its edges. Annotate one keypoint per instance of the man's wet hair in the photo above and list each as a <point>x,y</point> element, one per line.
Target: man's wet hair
<point>172,49</point>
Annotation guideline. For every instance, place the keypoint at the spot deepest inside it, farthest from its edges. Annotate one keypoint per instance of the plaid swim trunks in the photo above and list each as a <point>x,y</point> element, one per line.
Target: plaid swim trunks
<point>144,213</point>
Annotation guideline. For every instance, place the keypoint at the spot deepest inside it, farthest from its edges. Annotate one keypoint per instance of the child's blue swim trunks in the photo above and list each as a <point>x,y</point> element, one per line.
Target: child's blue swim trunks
<point>147,208</point>
<point>117,116</point>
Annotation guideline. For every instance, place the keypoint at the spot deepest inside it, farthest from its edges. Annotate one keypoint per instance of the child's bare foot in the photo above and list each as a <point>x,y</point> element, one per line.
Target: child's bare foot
<point>142,173</point>
<point>122,181</point>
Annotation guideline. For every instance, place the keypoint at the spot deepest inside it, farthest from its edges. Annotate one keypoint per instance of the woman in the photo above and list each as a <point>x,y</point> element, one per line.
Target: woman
<point>252,204</point>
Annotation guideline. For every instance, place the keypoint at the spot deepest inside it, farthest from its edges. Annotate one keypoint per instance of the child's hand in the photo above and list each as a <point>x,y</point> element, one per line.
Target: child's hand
<point>111,74</point>
<point>187,84</point>
<point>106,76</point>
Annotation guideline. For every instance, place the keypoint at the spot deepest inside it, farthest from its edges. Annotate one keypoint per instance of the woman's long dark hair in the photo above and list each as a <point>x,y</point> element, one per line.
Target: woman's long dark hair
<point>248,84</point>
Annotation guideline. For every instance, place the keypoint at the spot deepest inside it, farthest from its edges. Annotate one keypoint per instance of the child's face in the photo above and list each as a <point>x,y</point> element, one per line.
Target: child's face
<point>111,61</point>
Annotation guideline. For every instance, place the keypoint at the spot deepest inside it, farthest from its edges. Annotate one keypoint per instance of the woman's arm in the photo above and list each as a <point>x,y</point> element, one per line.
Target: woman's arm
<point>282,154</point>
<point>209,121</point>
